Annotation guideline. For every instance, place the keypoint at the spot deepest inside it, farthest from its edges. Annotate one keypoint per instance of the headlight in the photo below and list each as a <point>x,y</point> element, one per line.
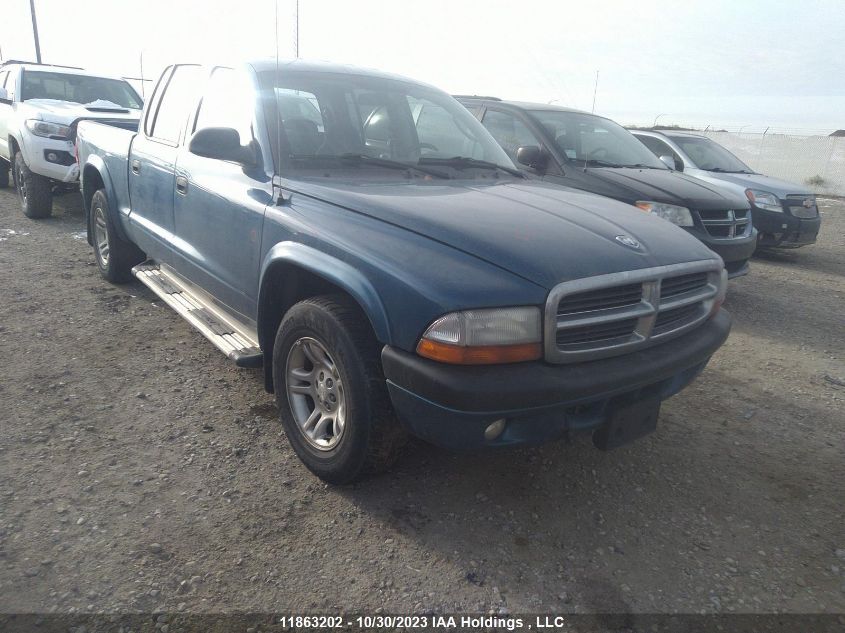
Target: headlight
<point>764,200</point>
<point>47,129</point>
<point>673,213</point>
<point>484,337</point>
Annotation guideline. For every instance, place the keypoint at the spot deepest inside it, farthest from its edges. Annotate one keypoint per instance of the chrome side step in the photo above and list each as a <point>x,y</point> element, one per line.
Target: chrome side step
<point>230,338</point>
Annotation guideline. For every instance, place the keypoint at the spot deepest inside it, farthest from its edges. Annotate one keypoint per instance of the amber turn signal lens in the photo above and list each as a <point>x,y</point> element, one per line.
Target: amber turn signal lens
<point>479,355</point>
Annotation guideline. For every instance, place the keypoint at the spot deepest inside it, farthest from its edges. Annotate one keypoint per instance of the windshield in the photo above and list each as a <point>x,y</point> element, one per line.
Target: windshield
<point>593,140</point>
<point>79,89</point>
<point>709,155</point>
<point>375,127</point>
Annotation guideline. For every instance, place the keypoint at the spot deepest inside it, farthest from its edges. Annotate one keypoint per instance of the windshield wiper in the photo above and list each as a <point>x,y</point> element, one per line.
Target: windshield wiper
<point>641,166</point>
<point>719,170</point>
<point>359,159</point>
<point>461,162</point>
<point>392,164</point>
<point>596,162</point>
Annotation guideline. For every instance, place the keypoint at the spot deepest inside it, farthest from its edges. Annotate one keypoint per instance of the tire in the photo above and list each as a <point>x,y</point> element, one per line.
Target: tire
<point>370,438</point>
<point>4,173</point>
<point>115,256</point>
<point>35,191</point>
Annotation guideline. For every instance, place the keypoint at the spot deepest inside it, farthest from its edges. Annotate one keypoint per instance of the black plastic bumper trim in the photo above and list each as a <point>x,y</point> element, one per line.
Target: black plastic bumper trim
<point>522,385</point>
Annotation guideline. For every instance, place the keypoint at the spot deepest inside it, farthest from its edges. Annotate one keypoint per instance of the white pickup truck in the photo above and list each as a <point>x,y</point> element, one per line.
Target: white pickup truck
<point>40,106</point>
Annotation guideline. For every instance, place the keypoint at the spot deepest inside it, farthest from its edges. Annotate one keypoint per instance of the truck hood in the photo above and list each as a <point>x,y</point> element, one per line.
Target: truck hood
<point>776,186</point>
<point>662,185</point>
<point>66,112</point>
<point>543,233</point>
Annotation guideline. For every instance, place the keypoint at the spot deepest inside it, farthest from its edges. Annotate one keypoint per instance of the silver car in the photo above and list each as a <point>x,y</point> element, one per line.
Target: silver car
<point>784,214</point>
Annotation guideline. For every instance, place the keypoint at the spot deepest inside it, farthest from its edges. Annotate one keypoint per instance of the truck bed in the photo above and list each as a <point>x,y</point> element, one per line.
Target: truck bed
<point>109,143</point>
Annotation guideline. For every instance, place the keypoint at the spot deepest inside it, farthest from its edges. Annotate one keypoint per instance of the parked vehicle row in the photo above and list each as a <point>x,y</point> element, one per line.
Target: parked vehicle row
<point>592,153</point>
<point>40,106</point>
<point>403,263</point>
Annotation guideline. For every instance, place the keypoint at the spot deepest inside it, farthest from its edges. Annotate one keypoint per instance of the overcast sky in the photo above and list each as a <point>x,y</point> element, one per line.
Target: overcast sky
<point>726,63</point>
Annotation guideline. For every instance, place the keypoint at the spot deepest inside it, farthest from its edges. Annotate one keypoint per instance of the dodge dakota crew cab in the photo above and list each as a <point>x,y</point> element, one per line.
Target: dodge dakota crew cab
<point>40,107</point>
<point>585,151</point>
<point>365,240</point>
<point>785,214</point>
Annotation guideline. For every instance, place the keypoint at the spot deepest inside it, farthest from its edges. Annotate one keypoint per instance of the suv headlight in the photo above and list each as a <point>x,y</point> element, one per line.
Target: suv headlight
<point>680,216</point>
<point>484,337</point>
<point>764,200</point>
<point>47,129</point>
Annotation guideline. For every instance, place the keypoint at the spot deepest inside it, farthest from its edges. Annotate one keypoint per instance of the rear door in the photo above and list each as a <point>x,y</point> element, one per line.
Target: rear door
<point>219,205</point>
<point>152,160</point>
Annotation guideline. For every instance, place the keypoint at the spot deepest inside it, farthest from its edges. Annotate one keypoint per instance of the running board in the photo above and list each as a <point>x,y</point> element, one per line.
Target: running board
<point>229,338</point>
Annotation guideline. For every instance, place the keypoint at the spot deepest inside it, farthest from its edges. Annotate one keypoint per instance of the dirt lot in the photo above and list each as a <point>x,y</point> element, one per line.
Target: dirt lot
<point>141,471</point>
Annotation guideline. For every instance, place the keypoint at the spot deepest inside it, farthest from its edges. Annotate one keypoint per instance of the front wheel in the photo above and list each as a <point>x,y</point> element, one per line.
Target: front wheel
<point>331,393</point>
<point>35,191</point>
<point>115,256</point>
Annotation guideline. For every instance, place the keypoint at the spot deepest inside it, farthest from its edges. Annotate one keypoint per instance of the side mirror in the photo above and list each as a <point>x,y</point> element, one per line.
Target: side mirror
<point>222,143</point>
<point>667,160</point>
<point>532,156</point>
<point>4,96</point>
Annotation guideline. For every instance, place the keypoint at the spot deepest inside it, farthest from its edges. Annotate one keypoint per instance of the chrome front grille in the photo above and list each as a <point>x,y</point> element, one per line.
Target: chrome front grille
<point>802,206</point>
<point>608,315</point>
<point>726,224</point>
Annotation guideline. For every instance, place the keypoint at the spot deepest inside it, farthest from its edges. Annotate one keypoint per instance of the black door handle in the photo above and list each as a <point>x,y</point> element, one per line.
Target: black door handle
<point>136,166</point>
<point>181,185</point>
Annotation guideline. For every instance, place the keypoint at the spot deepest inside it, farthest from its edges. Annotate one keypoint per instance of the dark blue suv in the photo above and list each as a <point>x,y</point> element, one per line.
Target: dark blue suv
<point>364,240</point>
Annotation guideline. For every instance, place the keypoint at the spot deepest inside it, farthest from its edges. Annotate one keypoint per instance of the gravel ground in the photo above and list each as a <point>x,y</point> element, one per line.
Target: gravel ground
<point>141,471</point>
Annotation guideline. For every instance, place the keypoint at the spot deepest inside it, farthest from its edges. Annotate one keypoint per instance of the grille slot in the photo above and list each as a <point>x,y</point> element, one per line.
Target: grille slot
<point>725,224</point>
<point>675,318</point>
<point>612,314</point>
<point>586,334</point>
<point>674,286</point>
<point>601,299</point>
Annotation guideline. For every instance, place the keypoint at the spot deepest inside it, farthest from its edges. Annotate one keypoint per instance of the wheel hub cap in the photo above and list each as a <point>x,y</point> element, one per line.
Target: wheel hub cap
<point>315,393</point>
<point>101,236</point>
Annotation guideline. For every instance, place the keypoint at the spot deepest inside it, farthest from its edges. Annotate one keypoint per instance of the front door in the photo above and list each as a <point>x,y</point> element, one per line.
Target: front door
<point>219,205</point>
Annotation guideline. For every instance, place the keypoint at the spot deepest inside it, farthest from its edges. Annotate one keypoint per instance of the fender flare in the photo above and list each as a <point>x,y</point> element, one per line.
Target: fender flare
<point>333,270</point>
<point>96,163</point>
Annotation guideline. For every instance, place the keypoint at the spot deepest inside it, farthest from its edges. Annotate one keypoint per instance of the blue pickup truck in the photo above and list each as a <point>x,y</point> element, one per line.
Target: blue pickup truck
<point>363,239</point>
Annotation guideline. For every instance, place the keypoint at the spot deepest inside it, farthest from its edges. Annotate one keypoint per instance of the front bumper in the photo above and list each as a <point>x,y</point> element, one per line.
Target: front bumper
<point>451,405</point>
<point>735,252</point>
<point>35,150</point>
<point>781,229</point>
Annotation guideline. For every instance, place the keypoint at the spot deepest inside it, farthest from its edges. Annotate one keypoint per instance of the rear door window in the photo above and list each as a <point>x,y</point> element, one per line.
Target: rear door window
<point>175,105</point>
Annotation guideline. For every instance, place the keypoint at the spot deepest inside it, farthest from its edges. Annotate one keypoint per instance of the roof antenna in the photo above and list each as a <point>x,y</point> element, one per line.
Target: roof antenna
<point>278,154</point>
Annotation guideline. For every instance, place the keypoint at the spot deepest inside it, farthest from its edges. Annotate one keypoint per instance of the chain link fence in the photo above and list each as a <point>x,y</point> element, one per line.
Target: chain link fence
<point>815,161</point>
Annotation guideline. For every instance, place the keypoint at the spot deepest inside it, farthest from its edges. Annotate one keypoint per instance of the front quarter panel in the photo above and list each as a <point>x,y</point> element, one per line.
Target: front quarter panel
<point>402,279</point>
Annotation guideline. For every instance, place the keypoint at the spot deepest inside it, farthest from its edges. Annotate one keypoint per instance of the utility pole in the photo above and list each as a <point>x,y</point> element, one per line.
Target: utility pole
<point>296,50</point>
<point>35,31</point>
<point>595,89</point>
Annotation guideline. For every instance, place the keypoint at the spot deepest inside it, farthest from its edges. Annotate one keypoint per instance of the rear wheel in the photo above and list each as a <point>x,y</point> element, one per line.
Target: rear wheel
<point>115,256</point>
<point>35,191</point>
<point>331,393</point>
<point>4,173</point>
